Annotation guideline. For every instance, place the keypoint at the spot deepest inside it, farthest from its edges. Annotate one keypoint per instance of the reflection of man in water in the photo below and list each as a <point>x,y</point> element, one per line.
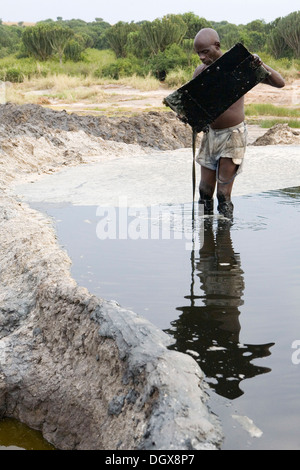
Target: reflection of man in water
<point>221,276</point>
<point>210,325</point>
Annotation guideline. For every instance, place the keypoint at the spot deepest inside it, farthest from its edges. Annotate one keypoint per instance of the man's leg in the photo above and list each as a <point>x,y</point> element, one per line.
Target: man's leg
<point>207,188</point>
<point>226,174</point>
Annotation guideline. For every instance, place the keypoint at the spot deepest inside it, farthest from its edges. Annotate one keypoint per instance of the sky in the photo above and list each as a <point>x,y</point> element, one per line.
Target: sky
<point>112,11</point>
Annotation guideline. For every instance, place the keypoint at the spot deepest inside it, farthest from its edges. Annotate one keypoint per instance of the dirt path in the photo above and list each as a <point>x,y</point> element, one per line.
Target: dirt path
<point>122,99</point>
<point>125,99</point>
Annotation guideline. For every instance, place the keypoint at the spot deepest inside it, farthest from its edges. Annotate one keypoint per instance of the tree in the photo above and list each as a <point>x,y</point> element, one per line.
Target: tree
<point>188,48</point>
<point>172,57</point>
<point>255,35</point>
<point>58,37</point>
<point>74,49</point>
<point>10,38</point>
<point>277,45</point>
<point>161,33</point>
<point>117,37</point>
<point>255,41</point>
<point>46,39</point>
<point>230,35</point>
<point>194,23</point>
<point>136,46</point>
<point>96,30</point>
<point>257,25</point>
<point>289,28</point>
<point>36,41</point>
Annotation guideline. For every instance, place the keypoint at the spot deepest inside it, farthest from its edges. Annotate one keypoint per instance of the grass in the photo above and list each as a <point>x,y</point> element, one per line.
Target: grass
<point>83,82</point>
<point>74,88</point>
<point>95,60</point>
<point>267,123</point>
<point>280,115</point>
<point>29,68</point>
<point>265,109</point>
<point>288,68</point>
<point>178,77</point>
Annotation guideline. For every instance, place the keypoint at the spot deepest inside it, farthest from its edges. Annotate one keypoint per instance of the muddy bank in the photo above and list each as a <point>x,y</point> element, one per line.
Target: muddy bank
<point>278,135</point>
<point>86,372</point>
<point>37,140</point>
<point>160,131</point>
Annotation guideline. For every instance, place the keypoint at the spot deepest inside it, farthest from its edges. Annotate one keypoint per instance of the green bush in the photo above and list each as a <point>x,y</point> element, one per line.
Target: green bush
<point>173,57</point>
<point>74,50</point>
<point>13,75</point>
<point>122,68</point>
<point>178,77</point>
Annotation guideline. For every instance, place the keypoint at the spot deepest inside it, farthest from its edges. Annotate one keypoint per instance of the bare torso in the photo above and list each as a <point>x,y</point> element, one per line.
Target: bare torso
<point>233,116</point>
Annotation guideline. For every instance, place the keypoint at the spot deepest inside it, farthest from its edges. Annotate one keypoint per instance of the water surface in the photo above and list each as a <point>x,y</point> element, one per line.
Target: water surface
<point>15,435</point>
<point>231,300</point>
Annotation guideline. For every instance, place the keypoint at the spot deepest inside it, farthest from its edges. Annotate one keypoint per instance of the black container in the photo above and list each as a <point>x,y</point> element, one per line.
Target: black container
<point>200,101</point>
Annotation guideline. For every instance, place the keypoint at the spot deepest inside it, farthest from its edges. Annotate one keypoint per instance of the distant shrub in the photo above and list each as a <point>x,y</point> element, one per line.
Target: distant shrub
<point>173,57</point>
<point>178,77</point>
<point>14,75</point>
<point>122,68</point>
<point>74,50</point>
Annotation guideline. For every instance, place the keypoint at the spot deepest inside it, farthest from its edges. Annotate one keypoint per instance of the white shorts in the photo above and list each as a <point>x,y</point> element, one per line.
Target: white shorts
<point>223,143</point>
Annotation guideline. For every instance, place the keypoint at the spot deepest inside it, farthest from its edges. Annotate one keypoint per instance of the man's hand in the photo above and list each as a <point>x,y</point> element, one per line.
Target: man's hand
<point>256,60</point>
<point>274,78</point>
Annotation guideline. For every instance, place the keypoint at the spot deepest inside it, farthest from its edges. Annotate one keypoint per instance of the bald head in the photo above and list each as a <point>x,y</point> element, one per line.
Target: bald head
<point>208,36</point>
<point>207,45</point>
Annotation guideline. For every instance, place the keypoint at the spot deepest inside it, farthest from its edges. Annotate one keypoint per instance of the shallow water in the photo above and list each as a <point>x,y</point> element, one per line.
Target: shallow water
<point>229,296</point>
<point>17,436</point>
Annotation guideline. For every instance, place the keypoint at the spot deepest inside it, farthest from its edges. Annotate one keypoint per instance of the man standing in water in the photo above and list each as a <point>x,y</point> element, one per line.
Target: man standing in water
<point>224,143</point>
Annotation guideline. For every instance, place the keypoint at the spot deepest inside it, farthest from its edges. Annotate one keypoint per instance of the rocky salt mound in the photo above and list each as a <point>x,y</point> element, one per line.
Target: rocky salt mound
<point>280,134</point>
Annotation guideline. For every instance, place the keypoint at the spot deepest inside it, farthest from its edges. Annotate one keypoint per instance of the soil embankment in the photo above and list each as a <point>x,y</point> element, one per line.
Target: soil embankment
<point>86,372</point>
<point>39,140</point>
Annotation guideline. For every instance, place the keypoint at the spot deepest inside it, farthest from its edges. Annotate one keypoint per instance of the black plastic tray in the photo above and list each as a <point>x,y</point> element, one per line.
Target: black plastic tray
<point>200,101</point>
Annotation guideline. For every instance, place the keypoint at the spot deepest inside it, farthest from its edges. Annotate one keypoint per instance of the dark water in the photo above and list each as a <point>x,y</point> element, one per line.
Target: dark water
<point>230,299</point>
<point>17,436</point>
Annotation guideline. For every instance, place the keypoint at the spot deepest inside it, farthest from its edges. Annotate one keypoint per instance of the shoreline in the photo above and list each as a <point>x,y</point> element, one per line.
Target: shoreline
<point>84,371</point>
<point>54,334</point>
